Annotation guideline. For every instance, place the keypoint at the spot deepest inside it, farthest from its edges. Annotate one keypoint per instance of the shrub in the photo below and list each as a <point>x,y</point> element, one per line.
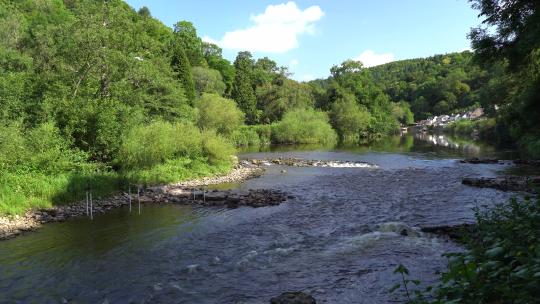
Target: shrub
<point>246,136</point>
<point>502,264</point>
<point>304,127</point>
<point>216,148</point>
<point>146,146</point>
<point>218,113</point>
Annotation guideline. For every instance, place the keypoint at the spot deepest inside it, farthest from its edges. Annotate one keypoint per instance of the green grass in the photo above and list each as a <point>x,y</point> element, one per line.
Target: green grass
<point>21,192</point>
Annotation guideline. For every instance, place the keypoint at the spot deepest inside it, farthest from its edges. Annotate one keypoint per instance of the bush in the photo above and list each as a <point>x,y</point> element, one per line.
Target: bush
<point>304,127</point>
<point>146,146</point>
<point>158,142</point>
<point>216,148</point>
<point>246,136</point>
<point>218,113</point>
<point>502,264</point>
<point>41,149</point>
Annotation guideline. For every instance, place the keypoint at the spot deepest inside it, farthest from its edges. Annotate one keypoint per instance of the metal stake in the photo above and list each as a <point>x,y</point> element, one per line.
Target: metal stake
<point>139,198</point>
<point>129,191</point>
<point>87,206</point>
<point>204,194</point>
<point>91,208</point>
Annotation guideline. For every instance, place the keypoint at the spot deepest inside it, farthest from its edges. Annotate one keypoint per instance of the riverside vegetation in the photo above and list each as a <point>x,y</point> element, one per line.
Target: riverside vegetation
<point>501,263</point>
<point>95,95</point>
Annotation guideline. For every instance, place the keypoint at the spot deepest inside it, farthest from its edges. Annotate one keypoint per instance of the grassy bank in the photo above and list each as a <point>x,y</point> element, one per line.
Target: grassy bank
<point>39,169</point>
<point>20,192</point>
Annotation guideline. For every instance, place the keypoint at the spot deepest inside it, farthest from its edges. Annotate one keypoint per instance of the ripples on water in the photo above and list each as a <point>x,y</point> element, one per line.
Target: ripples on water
<point>339,240</point>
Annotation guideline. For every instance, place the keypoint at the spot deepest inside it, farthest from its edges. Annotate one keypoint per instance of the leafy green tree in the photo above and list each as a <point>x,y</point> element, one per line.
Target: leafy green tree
<point>304,126</point>
<point>208,80</point>
<point>243,91</point>
<point>219,114</point>
<point>186,35</point>
<point>350,120</point>
<point>515,40</point>
<point>212,54</point>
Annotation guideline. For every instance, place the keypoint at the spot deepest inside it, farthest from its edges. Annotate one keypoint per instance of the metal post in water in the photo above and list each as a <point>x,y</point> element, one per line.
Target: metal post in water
<point>87,207</point>
<point>204,194</point>
<point>129,192</point>
<point>139,198</point>
<point>193,190</point>
<point>91,208</point>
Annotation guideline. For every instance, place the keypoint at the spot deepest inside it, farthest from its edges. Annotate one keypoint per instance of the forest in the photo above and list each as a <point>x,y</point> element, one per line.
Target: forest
<point>96,94</point>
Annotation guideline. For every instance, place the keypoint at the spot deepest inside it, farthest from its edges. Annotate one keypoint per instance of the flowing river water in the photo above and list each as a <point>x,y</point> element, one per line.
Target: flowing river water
<point>340,239</point>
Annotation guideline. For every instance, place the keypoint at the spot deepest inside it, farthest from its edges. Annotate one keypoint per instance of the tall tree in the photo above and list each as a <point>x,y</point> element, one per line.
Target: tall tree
<point>181,66</point>
<point>186,34</point>
<point>243,91</point>
<point>517,33</point>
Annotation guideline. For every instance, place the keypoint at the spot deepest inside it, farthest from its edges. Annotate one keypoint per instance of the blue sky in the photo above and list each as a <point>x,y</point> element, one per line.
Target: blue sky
<point>311,36</point>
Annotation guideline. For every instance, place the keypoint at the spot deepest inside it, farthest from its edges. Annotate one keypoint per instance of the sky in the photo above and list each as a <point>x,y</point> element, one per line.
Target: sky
<point>311,36</point>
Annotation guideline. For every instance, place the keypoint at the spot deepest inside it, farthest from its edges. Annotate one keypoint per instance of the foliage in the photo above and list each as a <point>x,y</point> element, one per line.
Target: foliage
<point>436,85</point>
<point>510,38</point>
<point>501,263</point>
<point>305,126</point>
<point>219,114</point>
<point>350,120</point>
<point>242,90</point>
<point>154,144</point>
<point>186,35</point>
<point>246,136</point>
<point>182,67</point>
<point>208,81</point>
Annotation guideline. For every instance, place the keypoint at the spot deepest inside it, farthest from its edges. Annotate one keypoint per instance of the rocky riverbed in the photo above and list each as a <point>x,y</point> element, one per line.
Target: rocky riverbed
<point>189,192</point>
<point>299,162</point>
<point>505,183</point>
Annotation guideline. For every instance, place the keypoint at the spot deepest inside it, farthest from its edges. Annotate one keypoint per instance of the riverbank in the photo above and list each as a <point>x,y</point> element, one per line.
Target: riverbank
<point>11,226</point>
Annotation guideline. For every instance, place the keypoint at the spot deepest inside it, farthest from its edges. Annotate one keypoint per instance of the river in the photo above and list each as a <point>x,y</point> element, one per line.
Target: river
<point>338,240</point>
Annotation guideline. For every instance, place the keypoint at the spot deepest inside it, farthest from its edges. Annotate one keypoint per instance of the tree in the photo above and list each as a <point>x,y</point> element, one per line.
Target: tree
<point>181,66</point>
<point>349,119</point>
<point>144,12</point>
<point>517,33</point>
<point>219,114</point>
<point>186,34</point>
<point>208,81</point>
<point>516,40</point>
<point>243,91</point>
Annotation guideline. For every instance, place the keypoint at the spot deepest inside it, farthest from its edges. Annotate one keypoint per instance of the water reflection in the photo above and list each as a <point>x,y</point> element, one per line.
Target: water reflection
<point>440,145</point>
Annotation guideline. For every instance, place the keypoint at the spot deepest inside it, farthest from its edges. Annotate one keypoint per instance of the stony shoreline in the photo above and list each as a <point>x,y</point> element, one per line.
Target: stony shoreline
<point>11,226</point>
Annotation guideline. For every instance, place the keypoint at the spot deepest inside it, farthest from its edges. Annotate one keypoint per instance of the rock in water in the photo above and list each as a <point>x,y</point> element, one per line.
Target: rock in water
<point>293,297</point>
<point>476,160</point>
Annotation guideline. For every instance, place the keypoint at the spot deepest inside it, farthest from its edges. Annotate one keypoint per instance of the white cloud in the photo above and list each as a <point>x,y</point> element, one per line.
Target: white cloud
<point>209,40</point>
<point>307,77</point>
<point>293,62</point>
<point>370,58</point>
<point>274,31</point>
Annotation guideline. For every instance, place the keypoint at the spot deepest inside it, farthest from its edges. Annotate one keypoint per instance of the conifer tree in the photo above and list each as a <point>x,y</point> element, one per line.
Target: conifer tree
<point>181,66</point>
<point>243,91</point>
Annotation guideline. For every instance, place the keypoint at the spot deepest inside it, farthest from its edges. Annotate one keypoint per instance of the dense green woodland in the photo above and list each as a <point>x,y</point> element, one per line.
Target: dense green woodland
<point>94,94</point>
